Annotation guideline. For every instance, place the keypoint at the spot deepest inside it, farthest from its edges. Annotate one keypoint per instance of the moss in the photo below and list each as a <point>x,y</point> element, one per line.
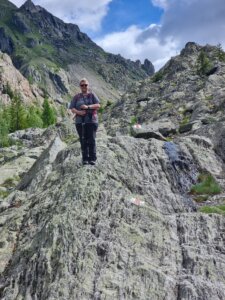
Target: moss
<point>206,185</point>
<point>70,139</point>
<point>209,97</point>
<point>220,209</point>
<point>201,198</point>
<point>185,121</point>
<point>11,182</point>
<point>4,194</point>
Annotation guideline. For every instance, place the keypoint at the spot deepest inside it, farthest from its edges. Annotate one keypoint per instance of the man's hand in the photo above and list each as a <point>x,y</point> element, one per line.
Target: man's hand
<point>81,112</point>
<point>84,106</point>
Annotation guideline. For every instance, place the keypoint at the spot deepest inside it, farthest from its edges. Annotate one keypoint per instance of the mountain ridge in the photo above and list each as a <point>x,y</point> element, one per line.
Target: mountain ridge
<point>47,50</point>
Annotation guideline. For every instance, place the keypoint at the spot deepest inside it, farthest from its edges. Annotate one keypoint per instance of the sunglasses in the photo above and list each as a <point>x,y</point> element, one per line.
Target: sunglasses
<point>83,85</point>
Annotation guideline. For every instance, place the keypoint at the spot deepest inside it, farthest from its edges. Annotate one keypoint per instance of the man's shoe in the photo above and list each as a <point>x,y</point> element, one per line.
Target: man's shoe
<point>92,162</point>
<point>85,162</point>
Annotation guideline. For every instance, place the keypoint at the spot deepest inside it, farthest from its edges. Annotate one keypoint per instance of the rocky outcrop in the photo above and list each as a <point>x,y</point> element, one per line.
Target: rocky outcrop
<point>11,78</point>
<point>177,93</point>
<point>74,232</point>
<point>6,43</point>
<point>148,67</point>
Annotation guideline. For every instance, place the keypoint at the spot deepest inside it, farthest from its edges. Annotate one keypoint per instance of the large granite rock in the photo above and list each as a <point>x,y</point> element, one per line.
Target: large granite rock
<point>76,232</point>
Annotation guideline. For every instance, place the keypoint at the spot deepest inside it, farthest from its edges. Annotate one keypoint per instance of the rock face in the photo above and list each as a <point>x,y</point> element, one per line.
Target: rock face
<point>74,232</point>
<point>54,49</point>
<point>10,76</point>
<point>178,94</point>
<point>127,228</point>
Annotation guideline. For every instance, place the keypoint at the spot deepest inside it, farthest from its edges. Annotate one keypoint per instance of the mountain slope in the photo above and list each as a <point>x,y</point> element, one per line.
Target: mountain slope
<point>56,54</point>
<point>148,221</point>
<point>186,93</point>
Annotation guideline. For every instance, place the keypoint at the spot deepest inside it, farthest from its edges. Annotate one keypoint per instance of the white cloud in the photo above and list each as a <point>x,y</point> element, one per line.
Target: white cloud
<point>161,3</point>
<point>128,45</point>
<point>81,12</point>
<point>200,21</point>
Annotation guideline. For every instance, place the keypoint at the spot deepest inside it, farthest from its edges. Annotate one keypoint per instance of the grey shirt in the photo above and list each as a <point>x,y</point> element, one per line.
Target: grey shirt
<point>81,99</point>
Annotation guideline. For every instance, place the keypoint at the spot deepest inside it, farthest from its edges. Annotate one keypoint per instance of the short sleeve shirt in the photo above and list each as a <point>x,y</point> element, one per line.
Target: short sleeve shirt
<point>81,99</point>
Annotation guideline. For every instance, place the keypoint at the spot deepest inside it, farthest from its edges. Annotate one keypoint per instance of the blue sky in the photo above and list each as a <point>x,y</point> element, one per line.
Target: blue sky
<point>124,13</point>
<point>139,29</point>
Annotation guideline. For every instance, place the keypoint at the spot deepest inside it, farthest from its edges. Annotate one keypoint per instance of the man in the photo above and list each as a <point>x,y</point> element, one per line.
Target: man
<point>85,105</point>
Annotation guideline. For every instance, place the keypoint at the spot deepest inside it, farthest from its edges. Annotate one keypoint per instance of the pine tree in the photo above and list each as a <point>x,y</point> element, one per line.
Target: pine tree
<point>34,119</point>
<point>220,53</point>
<point>203,64</point>
<point>18,114</point>
<point>4,127</point>
<point>48,115</point>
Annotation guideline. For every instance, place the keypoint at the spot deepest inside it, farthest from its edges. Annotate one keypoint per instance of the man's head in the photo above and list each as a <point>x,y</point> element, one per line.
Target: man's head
<point>84,85</point>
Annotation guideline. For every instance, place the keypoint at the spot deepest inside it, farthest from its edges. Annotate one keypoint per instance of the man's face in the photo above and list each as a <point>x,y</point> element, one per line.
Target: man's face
<point>84,86</point>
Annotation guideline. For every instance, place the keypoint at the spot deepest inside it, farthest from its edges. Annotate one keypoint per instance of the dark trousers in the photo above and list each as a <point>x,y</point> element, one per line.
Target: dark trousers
<point>87,135</point>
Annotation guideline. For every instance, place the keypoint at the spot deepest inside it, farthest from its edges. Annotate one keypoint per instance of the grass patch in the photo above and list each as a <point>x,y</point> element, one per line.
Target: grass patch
<point>220,209</point>
<point>11,182</point>
<point>208,98</point>
<point>201,198</point>
<point>133,120</point>
<point>4,194</point>
<point>185,121</point>
<point>206,185</point>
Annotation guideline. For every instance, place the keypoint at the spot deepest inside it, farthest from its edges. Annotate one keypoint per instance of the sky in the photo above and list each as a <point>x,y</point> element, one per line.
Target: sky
<point>139,29</point>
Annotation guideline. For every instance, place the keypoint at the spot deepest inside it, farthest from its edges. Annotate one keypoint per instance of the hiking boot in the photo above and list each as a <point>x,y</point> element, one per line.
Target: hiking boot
<point>92,162</point>
<point>85,162</point>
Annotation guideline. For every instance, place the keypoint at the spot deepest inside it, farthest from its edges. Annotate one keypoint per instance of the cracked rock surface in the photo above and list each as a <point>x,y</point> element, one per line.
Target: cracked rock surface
<point>71,232</point>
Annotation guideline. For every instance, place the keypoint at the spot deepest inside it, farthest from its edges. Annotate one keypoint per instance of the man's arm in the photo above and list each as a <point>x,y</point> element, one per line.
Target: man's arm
<point>96,103</point>
<point>75,111</point>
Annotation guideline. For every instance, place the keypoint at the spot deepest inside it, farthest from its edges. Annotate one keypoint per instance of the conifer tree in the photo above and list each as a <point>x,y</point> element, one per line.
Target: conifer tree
<point>48,115</point>
<point>34,119</point>
<point>18,114</point>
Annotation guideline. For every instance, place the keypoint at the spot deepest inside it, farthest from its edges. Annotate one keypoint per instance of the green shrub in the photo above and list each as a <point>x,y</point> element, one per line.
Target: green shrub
<point>18,114</point>
<point>4,194</point>
<point>4,129</point>
<point>220,54</point>
<point>34,119</point>
<point>203,64</point>
<point>157,77</point>
<point>11,182</point>
<point>206,185</point>
<point>62,111</point>
<point>133,120</point>
<point>109,103</point>
<point>48,114</point>
<point>185,120</point>
<point>220,209</point>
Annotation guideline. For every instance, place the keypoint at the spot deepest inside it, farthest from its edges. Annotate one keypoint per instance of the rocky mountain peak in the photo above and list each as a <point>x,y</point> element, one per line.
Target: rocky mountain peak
<point>148,67</point>
<point>190,48</point>
<point>30,6</point>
